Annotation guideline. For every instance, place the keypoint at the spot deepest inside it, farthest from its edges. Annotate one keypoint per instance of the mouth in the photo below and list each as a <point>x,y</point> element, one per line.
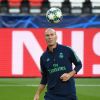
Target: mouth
<point>50,41</point>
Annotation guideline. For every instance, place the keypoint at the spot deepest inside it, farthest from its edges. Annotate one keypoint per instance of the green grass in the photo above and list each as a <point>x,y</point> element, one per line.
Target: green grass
<point>22,89</point>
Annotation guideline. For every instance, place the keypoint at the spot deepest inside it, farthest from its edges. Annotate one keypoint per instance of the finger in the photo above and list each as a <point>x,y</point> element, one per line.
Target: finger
<point>64,80</point>
<point>62,76</point>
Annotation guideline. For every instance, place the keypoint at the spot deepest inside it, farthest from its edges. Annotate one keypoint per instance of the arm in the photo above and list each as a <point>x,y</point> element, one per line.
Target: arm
<point>38,92</point>
<point>77,62</point>
<point>43,80</point>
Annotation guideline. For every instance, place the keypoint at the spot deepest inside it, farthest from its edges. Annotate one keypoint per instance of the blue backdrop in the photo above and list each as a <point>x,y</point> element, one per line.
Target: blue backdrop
<point>83,21</point>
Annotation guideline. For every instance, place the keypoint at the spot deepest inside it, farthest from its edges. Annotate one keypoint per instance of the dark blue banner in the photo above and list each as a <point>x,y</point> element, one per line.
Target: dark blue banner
<point>83,21</point>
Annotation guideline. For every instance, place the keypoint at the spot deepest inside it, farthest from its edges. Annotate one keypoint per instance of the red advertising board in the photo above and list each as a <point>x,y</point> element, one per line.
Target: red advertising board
<point>20,50</point>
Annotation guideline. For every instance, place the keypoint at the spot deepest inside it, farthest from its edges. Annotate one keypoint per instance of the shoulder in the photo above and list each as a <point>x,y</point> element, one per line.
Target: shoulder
<point>65,48</point>
<point>44,55</point>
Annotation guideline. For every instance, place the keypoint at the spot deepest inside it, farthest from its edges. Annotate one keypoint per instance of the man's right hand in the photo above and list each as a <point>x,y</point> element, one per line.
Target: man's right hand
<point>36,97</point>
<point>38,92</point>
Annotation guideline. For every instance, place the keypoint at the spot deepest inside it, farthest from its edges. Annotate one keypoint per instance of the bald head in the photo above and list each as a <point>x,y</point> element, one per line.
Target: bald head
<point>50,30</point>
<point>50,36</point>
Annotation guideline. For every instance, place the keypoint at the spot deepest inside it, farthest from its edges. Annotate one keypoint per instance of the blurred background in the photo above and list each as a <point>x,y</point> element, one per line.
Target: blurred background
<point>22,26</point>
<point>31,13</point>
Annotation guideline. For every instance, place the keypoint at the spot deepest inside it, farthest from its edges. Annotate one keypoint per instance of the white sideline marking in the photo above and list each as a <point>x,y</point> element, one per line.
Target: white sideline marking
<point>87,85</point>
<point>18,85</point>
<point>78,85</point>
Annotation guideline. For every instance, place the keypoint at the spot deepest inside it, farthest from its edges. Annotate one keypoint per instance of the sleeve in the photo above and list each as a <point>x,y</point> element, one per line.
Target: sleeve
<point>76,61</point>
<point>43,72</point>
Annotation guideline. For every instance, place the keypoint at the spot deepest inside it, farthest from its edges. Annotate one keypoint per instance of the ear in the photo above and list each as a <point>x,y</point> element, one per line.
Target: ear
<point>56,36</point>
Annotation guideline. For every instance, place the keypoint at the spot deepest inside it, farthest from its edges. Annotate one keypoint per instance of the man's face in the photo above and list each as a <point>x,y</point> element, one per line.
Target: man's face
<point>51,37</point>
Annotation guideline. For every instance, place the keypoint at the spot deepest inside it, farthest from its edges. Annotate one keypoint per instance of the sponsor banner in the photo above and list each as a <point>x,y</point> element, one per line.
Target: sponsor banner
<point>20,50</point>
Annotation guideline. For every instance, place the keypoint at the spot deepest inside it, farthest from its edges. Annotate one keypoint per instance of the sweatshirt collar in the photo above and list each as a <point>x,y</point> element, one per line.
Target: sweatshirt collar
<point>54,49</point>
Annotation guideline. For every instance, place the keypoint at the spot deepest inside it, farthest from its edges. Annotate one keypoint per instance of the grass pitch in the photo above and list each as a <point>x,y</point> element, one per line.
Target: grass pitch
<point>25,88</point>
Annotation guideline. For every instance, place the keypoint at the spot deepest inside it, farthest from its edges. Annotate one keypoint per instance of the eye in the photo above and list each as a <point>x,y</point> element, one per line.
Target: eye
<point>52,34</point>
<point>47,35</point>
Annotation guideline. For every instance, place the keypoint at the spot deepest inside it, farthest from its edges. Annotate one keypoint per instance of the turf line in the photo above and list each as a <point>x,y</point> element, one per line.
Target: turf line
<point>78,85</point>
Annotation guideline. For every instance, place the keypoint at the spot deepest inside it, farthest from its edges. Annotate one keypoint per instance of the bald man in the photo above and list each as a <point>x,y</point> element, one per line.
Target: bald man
<point>57,72</point>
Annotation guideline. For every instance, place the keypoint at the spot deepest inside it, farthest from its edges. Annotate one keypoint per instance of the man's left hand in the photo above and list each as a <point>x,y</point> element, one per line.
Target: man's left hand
<point>67,76</point>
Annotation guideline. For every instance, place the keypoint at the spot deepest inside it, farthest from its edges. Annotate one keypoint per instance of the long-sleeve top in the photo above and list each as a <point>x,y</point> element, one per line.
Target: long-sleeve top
<point>54,64</point>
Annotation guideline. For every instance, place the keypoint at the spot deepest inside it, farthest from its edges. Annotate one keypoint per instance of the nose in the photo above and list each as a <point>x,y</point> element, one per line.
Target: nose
<point>50,36</point>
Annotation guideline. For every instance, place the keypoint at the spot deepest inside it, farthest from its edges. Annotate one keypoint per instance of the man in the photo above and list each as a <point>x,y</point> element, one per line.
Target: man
<point>57,73</point>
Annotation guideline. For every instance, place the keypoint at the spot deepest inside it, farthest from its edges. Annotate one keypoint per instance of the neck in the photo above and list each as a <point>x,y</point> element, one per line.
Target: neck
<point>51,47</point>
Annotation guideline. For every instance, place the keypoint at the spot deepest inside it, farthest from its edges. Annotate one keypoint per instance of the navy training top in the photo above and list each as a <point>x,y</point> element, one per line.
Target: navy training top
<point>54,64</point>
